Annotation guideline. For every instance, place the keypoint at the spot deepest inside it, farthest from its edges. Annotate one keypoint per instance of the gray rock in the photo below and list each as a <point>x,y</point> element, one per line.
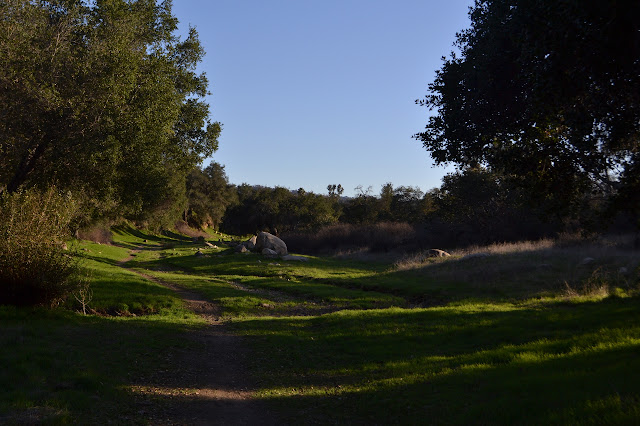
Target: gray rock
<point>266,240</point>
<point>623,271</point>
<point>240,248</point>
<point>438,253</point>
<point>587,261</point>
<point>295,258</point>
<point>251,243</point>
<point>269,252</point>
<point>199,254</point>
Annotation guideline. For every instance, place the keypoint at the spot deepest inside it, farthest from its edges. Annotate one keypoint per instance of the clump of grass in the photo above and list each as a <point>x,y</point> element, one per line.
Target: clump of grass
<point>184,228</point>
<point>603,283</point>
<point>507,248</point>
<point>34,267</point>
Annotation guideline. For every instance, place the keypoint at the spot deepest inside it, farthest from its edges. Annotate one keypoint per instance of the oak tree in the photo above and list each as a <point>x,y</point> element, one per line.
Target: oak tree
<point>546,93</point>
<point>101,97</point>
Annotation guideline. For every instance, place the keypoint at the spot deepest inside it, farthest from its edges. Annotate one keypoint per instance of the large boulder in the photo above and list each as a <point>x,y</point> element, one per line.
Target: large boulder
<point>266,240</point>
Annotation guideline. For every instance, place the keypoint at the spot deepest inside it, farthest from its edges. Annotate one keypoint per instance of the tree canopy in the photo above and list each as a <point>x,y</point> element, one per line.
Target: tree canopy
<point>547,93</point>
<point>101,96</point>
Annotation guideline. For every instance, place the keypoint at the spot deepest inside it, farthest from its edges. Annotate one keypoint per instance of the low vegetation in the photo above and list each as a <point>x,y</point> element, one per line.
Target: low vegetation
<point>35,268</point>
<point>518,333</point>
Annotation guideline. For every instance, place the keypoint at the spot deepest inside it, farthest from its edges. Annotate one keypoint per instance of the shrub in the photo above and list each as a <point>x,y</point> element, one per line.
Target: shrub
<point>96,233</point>
<point>34,267</point>
<point>379,237</point>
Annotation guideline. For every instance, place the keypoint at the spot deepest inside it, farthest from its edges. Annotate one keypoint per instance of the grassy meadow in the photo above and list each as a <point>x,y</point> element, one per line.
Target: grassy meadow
<point>530,333</point>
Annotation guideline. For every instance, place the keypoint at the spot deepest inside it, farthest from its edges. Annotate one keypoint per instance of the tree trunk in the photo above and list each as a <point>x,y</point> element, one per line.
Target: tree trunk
<point>27,164</point>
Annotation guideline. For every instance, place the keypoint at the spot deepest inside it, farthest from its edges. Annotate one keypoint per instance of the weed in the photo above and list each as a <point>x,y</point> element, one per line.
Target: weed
<point>83,293</point>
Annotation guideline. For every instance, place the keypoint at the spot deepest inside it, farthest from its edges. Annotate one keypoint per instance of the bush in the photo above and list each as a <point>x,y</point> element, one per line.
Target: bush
<point>379,237</point>
<point>96,233</point>
<point>34,267</point>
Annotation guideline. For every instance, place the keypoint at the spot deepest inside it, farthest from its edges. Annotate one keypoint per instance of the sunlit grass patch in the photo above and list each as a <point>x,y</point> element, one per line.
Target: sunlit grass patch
<point>460,364</point>
<point>518,271</point>
<point>236,302</point>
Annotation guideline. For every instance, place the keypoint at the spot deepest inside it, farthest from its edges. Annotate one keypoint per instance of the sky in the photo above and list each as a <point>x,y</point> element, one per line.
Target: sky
<point>319,92</point>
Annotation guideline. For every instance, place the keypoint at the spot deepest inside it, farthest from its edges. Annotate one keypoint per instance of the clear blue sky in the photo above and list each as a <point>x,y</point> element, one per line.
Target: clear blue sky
<point>318,92</point>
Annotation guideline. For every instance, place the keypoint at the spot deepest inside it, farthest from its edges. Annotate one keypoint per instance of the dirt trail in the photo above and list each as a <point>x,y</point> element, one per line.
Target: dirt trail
<point>208,383</point>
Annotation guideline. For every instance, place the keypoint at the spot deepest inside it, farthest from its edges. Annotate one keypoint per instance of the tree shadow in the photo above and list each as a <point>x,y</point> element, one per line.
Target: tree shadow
<point>406,366</point>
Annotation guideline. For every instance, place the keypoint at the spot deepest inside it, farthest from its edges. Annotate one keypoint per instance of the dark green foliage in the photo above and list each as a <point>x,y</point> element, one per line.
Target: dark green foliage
<point>102,98</point>
<point>209,196</point>
<point>344,237</point>
<point>34,267</point>
<point>480,207</point>
<point>400,204</point>
<point>547,93</point>
<point>278,210</point>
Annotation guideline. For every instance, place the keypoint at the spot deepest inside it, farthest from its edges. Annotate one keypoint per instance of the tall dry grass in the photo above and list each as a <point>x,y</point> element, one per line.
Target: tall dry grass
<point>565,266</point>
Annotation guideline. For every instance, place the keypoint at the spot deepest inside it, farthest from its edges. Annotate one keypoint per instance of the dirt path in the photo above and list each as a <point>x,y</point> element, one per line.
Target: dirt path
<point>208,383</point>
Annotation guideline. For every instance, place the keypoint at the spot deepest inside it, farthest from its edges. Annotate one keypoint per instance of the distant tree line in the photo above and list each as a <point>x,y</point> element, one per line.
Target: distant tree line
<point>540,113</point>
<point>472,206</point>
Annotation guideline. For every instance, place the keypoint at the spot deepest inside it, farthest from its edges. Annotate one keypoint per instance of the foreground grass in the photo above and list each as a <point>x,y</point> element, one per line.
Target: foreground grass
<point>335,339</point>
<point>62,367</point>
<point>523,336</point>
<point>565,363</point>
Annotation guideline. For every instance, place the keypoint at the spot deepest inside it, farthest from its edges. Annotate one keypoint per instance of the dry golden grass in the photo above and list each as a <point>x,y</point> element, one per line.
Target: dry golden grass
<point>563,267</point>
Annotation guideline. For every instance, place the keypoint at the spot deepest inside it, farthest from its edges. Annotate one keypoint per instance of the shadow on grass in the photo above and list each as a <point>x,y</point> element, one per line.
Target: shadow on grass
<point>67,368</point>
<point>446,365</point>
<point>563,363</point>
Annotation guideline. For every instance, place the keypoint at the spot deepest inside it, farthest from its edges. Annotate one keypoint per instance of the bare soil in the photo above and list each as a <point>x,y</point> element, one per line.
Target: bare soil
<point>207,382</point>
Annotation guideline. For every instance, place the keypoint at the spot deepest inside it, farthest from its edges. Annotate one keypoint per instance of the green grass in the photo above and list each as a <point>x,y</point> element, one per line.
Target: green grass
<point>460,365</point>
<point>518,337</point>
<point>119,291</point>
<point>62,367</point>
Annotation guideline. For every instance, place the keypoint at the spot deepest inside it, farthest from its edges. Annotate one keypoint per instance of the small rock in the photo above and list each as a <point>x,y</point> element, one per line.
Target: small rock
<point>438,253</point>
<point>199,254</point>
<point>208,244</point>
<point>295,258</point>
<point>587,261</point>
<point>623,271</point>
<point>251,243</point>
<point>269,252</point>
